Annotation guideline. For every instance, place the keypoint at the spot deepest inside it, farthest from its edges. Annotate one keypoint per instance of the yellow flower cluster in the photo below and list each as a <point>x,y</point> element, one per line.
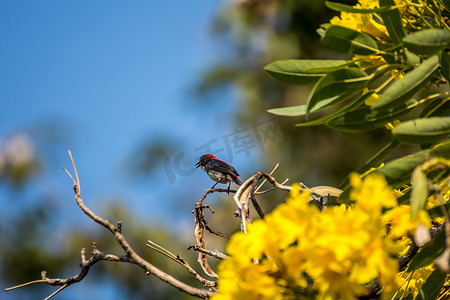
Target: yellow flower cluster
<point>367,23</point>
<point>410,283</point>
<point>297,251</point>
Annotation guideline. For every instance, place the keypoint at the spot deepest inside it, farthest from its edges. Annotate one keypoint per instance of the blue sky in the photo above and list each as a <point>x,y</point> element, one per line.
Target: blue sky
<point>107,75</point>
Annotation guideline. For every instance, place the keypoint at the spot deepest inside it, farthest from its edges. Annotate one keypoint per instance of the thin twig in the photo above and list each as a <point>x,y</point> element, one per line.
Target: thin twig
<point>200,226</point>
<point>70,175</point>
<point>271,189</point>
<point>24,284</point>
<point>130,257</point>
<point>57,291</point>
<point>178,259</point>
<point>160,249</point>
<point>214,253</point>
<point>264,181</point>
<point>247,191</point>
<point>75,169</point>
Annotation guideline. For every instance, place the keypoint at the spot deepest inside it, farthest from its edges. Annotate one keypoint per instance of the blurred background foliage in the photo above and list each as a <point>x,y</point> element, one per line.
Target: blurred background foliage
<point>250,34</point>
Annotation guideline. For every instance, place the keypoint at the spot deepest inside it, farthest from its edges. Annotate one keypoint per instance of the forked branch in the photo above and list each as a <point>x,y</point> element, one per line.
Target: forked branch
<point>130,255</point>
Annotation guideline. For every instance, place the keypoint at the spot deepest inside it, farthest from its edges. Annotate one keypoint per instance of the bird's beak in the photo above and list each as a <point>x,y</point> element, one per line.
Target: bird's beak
<point>197,165</point>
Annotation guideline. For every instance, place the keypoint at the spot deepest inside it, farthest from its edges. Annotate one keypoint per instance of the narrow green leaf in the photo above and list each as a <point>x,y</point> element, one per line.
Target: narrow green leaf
<point>349,41</point>
<point>442,150</point>
<point>405,197</point>
<point>436,212</point>
<point>412,59</point>
<point>429,253</point>
<point>342,111</point>
<point>380,156</point>
<point>439,106</point>
<point>336,86</point>
<point>347,8</point>
<point>396,172</point>
<point>367,119</point>
<point>302,71</point>
<point>290,111</point>
<point>419,193</point>
<point>446,4</point>
<point>408,85</point>
<point>444,60</point>
<point>393,21</point>
<point>431,288</point>
<point>434,176</point>
<point>399,171</point>
<point>376,159</point>
<point>428,41</point>
<point>423,131</point>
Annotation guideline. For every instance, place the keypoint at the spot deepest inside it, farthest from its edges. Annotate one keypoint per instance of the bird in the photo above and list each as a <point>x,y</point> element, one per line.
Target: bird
<point>218,170</point>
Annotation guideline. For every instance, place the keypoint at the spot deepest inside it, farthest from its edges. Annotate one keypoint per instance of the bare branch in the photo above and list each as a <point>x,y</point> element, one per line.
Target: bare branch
<point>74,169</point>
<point>200,224</point>
<point>264,181</point>
<point>70,175</point>
<point>177,258</point>
<point>130,257</point>
<point>214,253</point>
<point>57,291</point>
<point>24,284</point>
<point>271,189</point>
<point>247,192</point>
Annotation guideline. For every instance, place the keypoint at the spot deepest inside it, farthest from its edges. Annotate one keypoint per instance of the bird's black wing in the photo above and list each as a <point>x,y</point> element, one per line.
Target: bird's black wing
<point>221,166</point>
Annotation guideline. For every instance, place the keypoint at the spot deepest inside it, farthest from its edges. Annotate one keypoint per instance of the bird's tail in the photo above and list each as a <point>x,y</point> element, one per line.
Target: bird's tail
<point>236,180</point>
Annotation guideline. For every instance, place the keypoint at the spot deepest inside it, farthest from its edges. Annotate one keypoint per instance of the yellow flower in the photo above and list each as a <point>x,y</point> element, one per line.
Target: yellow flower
<point>373,193</point>
<point>410,283</point>
<point>392,125</point>
<point>433,200</point>
<point>402,223</point>
<point>245,249</point>
<point>252,282</point>
<point>372,99</point>
<point>299,250</point>
<point>362,22</point>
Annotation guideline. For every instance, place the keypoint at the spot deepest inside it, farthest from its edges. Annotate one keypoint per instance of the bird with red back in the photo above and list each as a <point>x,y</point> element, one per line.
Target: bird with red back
<point>218,170</point>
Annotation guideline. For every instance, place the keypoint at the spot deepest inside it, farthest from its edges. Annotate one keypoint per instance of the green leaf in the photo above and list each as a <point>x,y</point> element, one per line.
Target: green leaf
<point>442,150</point>
<point>412,59</point>
<point>428,41</point>
<point>393,21</point>
<point>444,60</point>
<point>376,159</point>
<point>439,106</point>
<point>436,212</point>
<point>429,253</point>
<point>367,119</point>
<point>399,171</point>
<point>349,41</point>
<point>446,4</point>
<point>342,111</point>
<point>302,71</point>
<point>419,193</point>
<point>290,111</point>
<point>336,86</point>
<point>431,288</point>
<point>380,156</point>
<point>408,85</point>
<point>405,197</point>
<point>422,131</point>
<point>347,8</point>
